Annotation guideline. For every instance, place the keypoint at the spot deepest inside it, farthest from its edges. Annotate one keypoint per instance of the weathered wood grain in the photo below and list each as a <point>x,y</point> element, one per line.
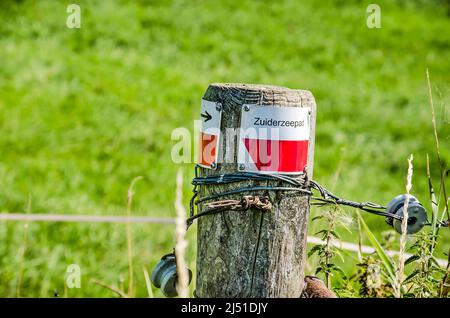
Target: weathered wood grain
<point>253,254</point>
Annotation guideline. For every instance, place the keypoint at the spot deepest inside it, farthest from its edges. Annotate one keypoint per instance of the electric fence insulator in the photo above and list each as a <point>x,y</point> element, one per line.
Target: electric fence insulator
<point>417,215</point>
<point>165,277</point>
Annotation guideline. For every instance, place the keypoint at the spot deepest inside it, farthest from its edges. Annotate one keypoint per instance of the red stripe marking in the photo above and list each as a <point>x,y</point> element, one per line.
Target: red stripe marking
<point>208,146</point>
<point>278,155</point>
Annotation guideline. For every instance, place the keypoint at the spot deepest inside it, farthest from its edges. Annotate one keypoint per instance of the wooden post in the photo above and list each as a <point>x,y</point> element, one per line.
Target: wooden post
<point>253,253</point>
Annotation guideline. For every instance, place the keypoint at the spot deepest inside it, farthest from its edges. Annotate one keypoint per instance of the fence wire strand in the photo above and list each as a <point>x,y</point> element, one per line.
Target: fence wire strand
<point>299,183</point>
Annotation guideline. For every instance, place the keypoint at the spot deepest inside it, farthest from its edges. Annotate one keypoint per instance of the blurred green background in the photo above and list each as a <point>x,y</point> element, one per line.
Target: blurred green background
<point>84,111</point>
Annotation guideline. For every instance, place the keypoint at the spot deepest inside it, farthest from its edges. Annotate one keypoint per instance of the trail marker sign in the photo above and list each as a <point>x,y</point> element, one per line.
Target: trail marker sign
<point>279,272</point>
<point>211,115</point>
<point>274,139</point>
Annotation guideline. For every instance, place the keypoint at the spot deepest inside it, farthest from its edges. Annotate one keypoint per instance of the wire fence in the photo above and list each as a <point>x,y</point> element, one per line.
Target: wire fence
<point>84,218</point>
<point>161,220</point>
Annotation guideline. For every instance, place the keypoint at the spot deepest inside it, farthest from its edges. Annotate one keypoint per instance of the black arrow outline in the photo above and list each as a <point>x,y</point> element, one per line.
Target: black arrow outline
<point>207,116</point>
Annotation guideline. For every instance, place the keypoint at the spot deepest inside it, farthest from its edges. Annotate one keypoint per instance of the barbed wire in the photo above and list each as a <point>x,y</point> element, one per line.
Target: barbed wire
<point>298,183</point>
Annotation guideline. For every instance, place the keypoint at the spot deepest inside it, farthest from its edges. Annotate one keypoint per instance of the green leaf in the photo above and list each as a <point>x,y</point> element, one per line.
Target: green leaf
<point>345,227</point>
<point>340,255</point>
<point>334,234</point>
<point>386,261</point>
<point>317,218</point>
<point>322,232</point>
<point>412,259</point>
<point>339,270</point>
<point>411,276</point>
<point>313,250</point>
<point>434,261</point>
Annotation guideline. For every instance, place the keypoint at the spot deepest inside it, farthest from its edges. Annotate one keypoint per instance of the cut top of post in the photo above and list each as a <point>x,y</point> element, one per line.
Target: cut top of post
<point>233,98</point>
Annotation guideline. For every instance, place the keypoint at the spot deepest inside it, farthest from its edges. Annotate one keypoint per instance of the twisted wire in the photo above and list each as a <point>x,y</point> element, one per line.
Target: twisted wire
<point>298,183</point>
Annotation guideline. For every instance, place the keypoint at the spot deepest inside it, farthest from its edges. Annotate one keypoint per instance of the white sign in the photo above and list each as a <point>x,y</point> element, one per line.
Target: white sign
<point>211,115</point>
<point>274,139</point>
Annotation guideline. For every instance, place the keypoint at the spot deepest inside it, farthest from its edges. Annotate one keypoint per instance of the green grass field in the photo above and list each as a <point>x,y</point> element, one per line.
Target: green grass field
<point>84,111</point>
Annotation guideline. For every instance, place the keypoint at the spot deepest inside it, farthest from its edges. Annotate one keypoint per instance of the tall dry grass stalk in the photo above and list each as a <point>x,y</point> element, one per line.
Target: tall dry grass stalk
<point>119,292</point>
<point>129,239</point>
<point>401,259</point>
<point>438,150</point>
<point>181,243</point>
<point>148,283</point>
<point>433,115</point>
